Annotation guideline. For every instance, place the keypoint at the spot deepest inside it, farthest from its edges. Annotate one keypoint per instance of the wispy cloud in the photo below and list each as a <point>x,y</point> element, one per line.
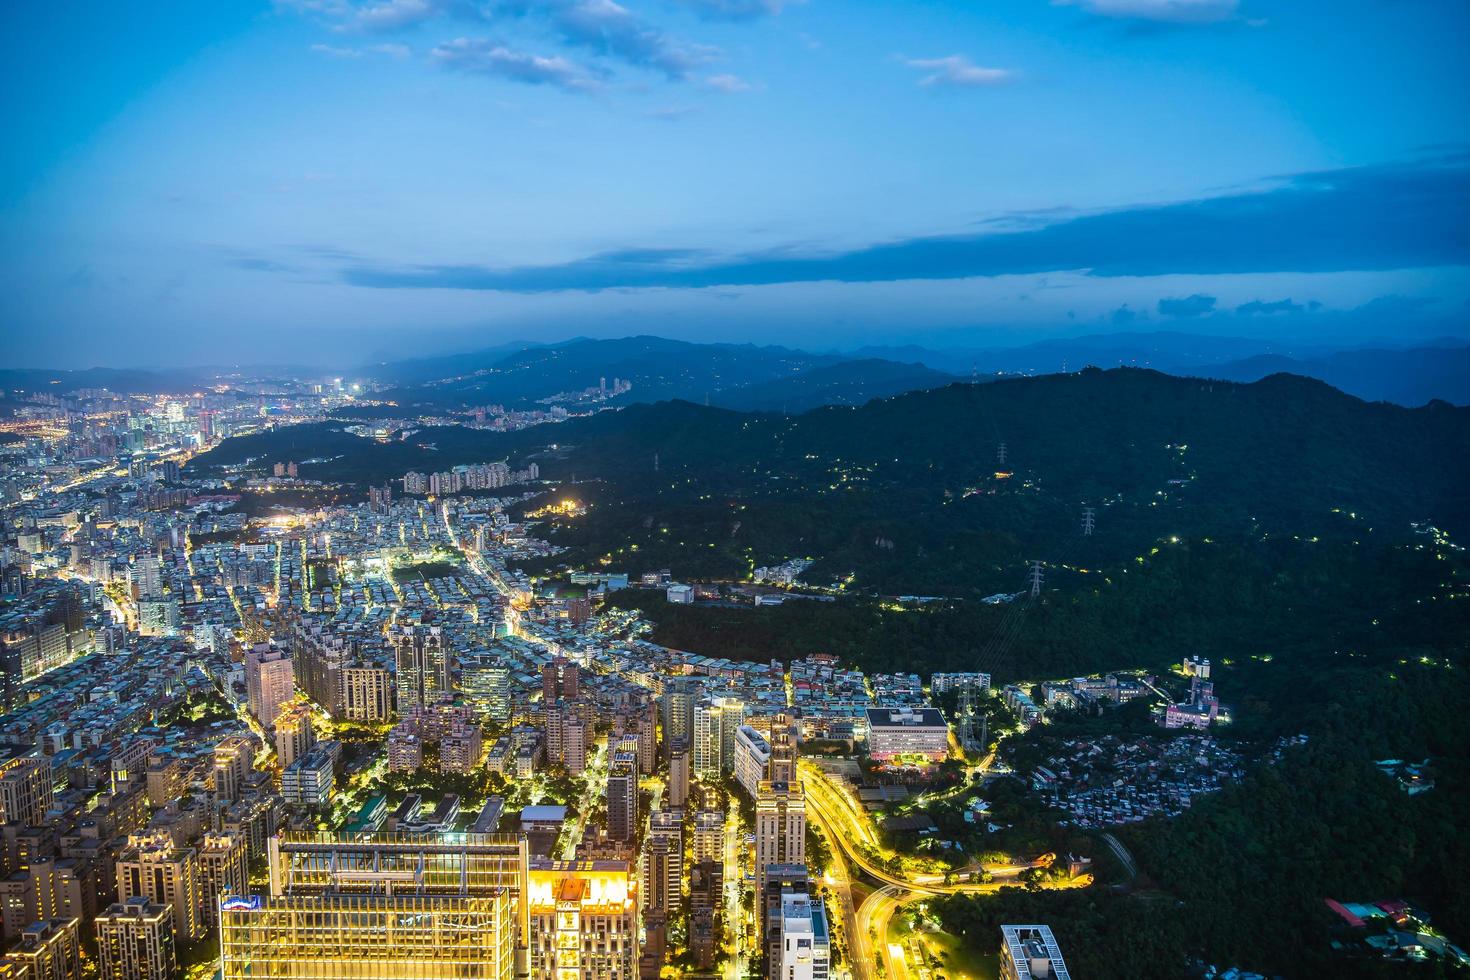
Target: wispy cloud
<point>957,71</point>
<point>737,9</point>
<point>387,50</point>
<point>1161,11</point>
<point>487,57</point>
<point>612,30</point>
<point>729,84</point>
<point>1368,218</point>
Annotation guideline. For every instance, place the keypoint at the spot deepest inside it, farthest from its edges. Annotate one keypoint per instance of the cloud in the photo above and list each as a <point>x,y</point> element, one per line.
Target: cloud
<point>389,50</point>
<point>487,57</point>
<point>1123,316</point>
<point>611,30</point>
<point>1161,11</point>
<point>1393,216</point>
<point>736,9</point>
<point>1260,308</point>
<point>727,83</point>
<point>335,52</point>
<point>1196,305</point>
<point>957,71</point>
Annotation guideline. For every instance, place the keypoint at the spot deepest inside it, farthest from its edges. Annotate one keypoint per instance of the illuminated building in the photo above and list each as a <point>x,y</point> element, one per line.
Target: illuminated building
<point>25,790</point>
<point>135,941</point>
<point>310,779</point>
<point>223,871</point>
<point>367,693</point>
<point>381,906</point>
<point>485,683</point>
<point>804,949</point>
<point>663,863</point>
<point>780,828</point>
<point>679,773</point>
<point>716,722</point>
<point>294,735</point>
<point>560,679</point>
<point>906,731</point>
<point>583,920</point>
<point>709,835</point>
<point>233,759</point>
<point>752,758</point>
<point>1031,953</point>
<point>270,681</point>
<point>319,655</point>
<point>622,797</point>
<point>783,751</point>
<point>48,950</point>
<point>423,666</point>
<point>781,882</point>
<point>152,867</point>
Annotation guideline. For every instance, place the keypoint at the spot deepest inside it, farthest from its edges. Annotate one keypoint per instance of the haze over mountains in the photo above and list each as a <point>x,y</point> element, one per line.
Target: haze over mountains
<point>755,378</point>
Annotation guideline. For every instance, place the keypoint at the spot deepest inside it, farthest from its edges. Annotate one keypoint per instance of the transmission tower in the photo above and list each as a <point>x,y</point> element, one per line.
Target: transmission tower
<point>1000,454</point>
<point>967,715</point>
<point>1035,579</point>
<point>1087,522</point>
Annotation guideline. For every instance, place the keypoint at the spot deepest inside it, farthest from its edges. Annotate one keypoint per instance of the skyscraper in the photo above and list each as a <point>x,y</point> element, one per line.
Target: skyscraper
<point>423,666</point>
<point>294,735</point>
<point>622,796</point>
<point>154,868</point>
<point>583,920</point>
<point>25,790</point>
<point>269,682</point>
<point>663,863</point>
<point>780,828</point>
<point>387,906</point>
<point>135,941</point>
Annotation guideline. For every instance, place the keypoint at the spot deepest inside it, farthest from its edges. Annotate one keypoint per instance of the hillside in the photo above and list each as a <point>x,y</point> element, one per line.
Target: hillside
<point>846,383</point>
<point>903,493</point>
<point>1405,377</point>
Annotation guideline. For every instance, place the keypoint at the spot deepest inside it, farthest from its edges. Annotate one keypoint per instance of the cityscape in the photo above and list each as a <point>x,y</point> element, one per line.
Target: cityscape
<point>735,489</point>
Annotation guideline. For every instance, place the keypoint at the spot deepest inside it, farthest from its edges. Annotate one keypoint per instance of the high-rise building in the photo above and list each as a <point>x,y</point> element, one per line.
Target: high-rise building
<point>48,950</point>
<point>780,828</point>
<point>679,774</point>
<point>709,835</point>
<point>485,683</point>
<point>26,791</point>
<point>782,881</point>
<point>135,941</point>
<point>270,682</point>
<point>560,679</point>
<point>622,797</point>
<point>752,759</point>
<point>386,906</point>
<point>320,655</point>
<point>294,734</point>
<point>663,863</point>
<point>679,696</point>
<point>154,868</point>
<point>1030,952</point>
<point>423,666</point>
<point>234,757</point>
<point>367,693</point>
<point>716,721</point>
<point>223,870</point>
<point>309,781</point>
<point>805,949</point>
<point>782,767</point>
<point>583,920</point>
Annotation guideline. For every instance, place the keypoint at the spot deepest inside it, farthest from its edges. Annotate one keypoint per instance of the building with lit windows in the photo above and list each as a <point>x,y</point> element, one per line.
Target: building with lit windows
<point>805,949</point>
<point>48,950</point>
<point>384,906</point>
<point>423,666</point>
<point>894,732</point>
<point>294,735</point>
<point>270,680</point>
<point>223,870</point>
<point>583,919</point>
<point>780,828</point>
<point>26,791</point>
<point>135,941</point>
<point>154,868</point>
<point>367,693</point>
<point>234,757</point>
<point>752,758</point>
<point>309,780</point>
<point>662,870</point>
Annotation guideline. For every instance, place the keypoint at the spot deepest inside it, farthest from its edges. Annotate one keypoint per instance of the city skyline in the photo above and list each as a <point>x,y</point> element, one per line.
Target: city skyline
<point>262,182</point>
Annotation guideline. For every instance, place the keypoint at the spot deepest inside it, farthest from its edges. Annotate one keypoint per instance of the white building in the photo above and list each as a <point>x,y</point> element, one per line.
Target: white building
<point>805,948</point>
<point>1031,953</point>
<point>907,731</point>
<point>752,755</point>
<point>680,593</point>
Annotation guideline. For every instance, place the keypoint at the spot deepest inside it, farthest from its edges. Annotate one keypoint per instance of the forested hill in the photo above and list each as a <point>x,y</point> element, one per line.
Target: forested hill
<point>905,491</point>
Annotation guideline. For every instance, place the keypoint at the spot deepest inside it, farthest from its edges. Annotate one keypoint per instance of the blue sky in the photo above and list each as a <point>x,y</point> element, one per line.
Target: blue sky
<point>333,180</point>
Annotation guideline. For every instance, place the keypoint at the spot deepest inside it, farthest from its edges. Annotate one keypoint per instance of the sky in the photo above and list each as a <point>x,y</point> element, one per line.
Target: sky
<point>338,181</point>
